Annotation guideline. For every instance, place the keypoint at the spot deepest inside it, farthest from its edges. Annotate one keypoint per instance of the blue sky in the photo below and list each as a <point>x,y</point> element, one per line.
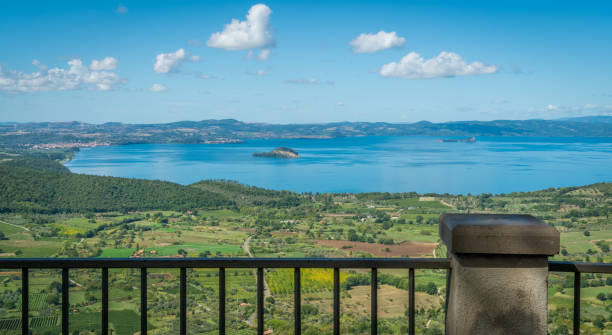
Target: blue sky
<point>315,61</point>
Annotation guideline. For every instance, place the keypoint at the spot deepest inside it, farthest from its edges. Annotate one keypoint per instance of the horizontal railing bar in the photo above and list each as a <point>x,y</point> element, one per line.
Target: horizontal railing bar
<point>560,266</point>
<point>350,263</point>
<point>347,263</point>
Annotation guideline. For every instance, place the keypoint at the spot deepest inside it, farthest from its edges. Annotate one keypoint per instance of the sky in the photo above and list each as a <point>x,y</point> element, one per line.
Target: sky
<point>304,62</point>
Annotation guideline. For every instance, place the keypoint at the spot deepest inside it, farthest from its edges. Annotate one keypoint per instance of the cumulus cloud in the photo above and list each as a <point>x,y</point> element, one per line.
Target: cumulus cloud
<point>264,54</point>
<point>76,76</point>
<point>195,58</point>
<point>446,64</point>
<point>165,63</point>
<point>312,81</point>
<point>108,63</point>
<point>368,43</point>
<point>253,33</point>
<point>158,88</point>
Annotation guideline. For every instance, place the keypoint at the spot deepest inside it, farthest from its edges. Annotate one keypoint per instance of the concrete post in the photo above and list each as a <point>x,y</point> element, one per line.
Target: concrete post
<point>499,273</point>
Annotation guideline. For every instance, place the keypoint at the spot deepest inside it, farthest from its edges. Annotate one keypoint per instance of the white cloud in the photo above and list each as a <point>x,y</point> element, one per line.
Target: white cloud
<point>253,33</point>
<point>195,58</point>
<point>576,110</point>
<point>165,63</point>
<point>264,54</point>
<point>259,72</point>
<point>312,81</point>
<point>39,65</point>
<point>158,88</point>
<point>446,64</point>
<point>551,107</point>
<point>76,76</point>
<point>108,63</point>
<point>121,9</point>
<point>367,43</point>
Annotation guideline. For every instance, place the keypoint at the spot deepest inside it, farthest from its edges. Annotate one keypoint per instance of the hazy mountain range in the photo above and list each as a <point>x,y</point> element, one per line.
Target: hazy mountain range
<point>78,134</point>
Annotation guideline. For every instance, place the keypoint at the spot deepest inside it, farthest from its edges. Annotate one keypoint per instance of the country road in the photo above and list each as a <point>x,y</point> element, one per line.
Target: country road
<point>14,225</point>
<point>251,320</point>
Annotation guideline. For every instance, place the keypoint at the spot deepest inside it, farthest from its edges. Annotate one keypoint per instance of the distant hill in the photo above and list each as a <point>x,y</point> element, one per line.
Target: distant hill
<point>37,185</point>
<point>65,135</point>
<point>590,119</point>
<point>45,186</point>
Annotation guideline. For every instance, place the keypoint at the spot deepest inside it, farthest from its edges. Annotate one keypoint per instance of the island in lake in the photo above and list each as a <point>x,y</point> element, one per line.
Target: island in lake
<point>280,152</point>
<point>463,140</point>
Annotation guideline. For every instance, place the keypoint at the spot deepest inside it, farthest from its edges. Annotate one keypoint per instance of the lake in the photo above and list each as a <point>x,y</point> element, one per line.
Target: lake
<point>367,164</point>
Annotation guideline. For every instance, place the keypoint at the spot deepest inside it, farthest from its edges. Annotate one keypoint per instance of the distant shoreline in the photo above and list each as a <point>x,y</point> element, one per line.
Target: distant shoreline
<point>66,135</point>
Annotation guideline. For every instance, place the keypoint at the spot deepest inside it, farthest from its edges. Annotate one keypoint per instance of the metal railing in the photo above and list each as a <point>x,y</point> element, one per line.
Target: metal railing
<point>578,268</point>
<point>260,264</point>
<point>221,263</point>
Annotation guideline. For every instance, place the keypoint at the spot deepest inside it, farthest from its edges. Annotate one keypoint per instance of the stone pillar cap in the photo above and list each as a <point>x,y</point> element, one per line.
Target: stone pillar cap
<point>510,234</point>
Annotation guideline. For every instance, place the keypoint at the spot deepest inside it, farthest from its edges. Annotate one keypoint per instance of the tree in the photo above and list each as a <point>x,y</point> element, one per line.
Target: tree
<point>601,296</point>
<point>352,235</point>
<point>587,233</point>
<point>431,288</point>
<point>599,322</point>
<point>182,252</point>
<point>419,219</point>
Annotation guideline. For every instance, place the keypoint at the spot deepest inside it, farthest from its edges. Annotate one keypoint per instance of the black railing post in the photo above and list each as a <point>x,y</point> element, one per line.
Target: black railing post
<point>65,301</point>
<point>297,302</point>
<point>143,301</point>
<point>336,301</point>
<point>25,305</point>
<point>183,302</point>
<point>374,301</point>
<point>104,301</point>
<point>260,301</point>
<point>221,301</point>
<point>577,302</point>
<point>411,301</point>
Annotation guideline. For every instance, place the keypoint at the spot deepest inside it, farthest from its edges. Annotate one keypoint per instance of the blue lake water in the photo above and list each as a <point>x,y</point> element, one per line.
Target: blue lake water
<point>365,164</point>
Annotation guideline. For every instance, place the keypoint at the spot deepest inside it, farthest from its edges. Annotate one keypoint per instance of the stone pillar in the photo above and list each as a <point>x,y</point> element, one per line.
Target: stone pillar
<point>499,273</point>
